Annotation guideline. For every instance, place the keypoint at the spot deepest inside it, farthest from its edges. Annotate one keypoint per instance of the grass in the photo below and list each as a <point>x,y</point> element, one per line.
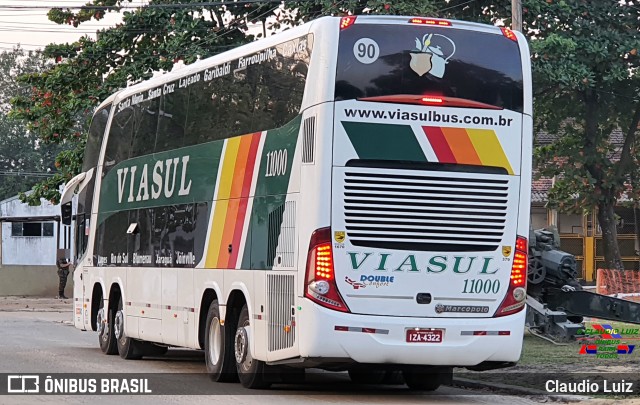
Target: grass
<point>542,360</point>
<point>539,352</point>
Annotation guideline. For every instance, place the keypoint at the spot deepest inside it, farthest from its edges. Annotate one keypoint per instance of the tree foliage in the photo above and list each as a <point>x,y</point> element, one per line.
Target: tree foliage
<point>87,71</point>
<point>20,150</point>
<point>587,84</point>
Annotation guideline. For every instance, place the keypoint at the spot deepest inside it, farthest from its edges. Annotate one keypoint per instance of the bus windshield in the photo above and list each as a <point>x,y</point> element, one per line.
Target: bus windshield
<point>384,60</point>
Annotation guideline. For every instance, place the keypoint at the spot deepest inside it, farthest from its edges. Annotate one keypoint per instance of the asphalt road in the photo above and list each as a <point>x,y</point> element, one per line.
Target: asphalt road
<point>45,342</point>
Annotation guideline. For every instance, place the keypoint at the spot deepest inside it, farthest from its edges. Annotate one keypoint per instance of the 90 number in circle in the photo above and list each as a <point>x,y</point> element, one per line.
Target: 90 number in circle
<point>366,50</point>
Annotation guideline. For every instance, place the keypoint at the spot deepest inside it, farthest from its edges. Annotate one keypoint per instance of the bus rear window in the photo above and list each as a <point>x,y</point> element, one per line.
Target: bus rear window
<point>384,60</point>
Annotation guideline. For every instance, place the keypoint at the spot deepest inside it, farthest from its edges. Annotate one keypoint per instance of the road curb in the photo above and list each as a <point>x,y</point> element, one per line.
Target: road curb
<point>514,390</point>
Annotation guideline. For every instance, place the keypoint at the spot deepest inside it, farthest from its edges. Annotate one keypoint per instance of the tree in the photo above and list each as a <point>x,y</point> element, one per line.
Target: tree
<point>587,83</point>
<point>148,40</point>
<point>20,150</point>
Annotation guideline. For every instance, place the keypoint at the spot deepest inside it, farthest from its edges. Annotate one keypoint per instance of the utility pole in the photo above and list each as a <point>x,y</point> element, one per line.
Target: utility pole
<point>516,15</point>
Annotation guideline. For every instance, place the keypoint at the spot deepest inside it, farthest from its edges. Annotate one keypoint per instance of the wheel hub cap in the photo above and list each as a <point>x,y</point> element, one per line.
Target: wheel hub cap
<point>100,321</point>
<point>241,345</point>
<point>119,325</point>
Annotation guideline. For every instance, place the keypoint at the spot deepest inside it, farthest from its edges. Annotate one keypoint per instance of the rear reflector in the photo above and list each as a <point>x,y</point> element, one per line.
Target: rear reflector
<point>485,333</point>
<point>361,330</point>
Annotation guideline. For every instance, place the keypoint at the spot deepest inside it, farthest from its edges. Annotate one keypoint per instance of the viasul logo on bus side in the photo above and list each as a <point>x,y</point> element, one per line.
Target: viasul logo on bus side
<point>408,263</point>
<point>180,176</point>
<point>162,183</point>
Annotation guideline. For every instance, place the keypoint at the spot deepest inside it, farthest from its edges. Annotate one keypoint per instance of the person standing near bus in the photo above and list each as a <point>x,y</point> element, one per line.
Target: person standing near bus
<point>63,265</point>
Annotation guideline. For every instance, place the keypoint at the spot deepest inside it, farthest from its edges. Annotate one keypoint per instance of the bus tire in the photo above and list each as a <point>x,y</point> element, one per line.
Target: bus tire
<point>251,372</point>
<point>128,349</point>
<point>152,349</point>
<point>422,381</point>
<point>104,326</point>
<point>363,376</point>
<point>393,377</point>
<point>218,347</point>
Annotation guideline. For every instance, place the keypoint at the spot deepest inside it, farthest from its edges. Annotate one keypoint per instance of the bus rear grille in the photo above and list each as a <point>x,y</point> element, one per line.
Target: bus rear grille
<point>433,212</point>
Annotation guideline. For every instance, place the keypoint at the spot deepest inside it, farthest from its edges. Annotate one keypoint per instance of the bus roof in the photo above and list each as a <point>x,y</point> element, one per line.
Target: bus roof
<point>275,40</point>
<point>216,60</point>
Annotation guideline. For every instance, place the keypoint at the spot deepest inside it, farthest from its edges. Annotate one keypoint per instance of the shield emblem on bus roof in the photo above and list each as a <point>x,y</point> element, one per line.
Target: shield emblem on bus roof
<point>506,251</point>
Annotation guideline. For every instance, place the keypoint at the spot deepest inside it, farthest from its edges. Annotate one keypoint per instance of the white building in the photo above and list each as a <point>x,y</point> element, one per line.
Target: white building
<point>29,235</point>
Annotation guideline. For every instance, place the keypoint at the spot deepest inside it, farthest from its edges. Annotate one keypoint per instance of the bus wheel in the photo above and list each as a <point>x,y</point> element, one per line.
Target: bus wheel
<point>104,326</point>
<point>217,347</point>
<point>425,381</point>
<point>393,377</point>
<point>362,376</point>
<point>251,372</point>
<point>152,349</point>
<point>129,349</point>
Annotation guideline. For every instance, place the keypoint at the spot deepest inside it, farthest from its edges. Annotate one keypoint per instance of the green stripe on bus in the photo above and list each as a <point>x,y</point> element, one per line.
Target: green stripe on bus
<point>180,176</point>
<point>384,141</point>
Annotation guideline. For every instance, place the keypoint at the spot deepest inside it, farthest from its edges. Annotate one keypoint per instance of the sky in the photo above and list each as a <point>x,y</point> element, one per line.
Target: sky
<point>30,27</point>
<point>25,22</point>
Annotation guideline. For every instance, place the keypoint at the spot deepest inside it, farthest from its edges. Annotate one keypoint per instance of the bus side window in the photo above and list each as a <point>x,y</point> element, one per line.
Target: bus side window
<point>89,161</point>
<point>119,141</point>
<point>172,118</point>
<point>145,125</point>
<point>255,98</point>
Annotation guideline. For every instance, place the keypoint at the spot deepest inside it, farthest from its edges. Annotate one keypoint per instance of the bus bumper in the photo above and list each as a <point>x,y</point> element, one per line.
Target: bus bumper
<point>325,333</point>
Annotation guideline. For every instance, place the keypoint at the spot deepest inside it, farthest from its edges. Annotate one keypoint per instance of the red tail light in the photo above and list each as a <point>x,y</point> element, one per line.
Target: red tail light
<point>346,22</point>
<point>432,100</point>
<point>509,34</point>
<point>429,100</point>
<point>430,21</point>
<point>517,293</point>
<point>320,286</point>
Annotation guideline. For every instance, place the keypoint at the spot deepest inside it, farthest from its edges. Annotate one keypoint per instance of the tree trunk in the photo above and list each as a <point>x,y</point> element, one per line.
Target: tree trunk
<point>606,215</point>
<point>607,221</point>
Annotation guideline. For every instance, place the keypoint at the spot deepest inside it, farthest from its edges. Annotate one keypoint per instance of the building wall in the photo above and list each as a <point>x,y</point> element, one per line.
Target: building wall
<point>27,250</point>
<point>570,223</point>
<point>538,217</point>
<point>35,281</point>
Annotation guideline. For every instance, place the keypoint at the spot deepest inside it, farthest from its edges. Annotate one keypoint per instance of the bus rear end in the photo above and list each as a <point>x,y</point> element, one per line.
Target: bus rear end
<point>424,262</point>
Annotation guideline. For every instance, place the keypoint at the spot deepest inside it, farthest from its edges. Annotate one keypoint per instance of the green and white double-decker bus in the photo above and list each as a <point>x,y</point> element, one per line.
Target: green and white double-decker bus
<point>350,194</point>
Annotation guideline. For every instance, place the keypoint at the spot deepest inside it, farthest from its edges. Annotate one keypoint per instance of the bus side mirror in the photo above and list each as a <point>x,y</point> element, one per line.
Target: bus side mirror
<point>66,213</point>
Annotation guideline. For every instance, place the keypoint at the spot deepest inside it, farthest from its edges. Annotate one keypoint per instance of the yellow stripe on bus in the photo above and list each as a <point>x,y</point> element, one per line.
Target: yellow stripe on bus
<point>222,203</point>
<point>217,227</point>
<point>226,177</point>
<point>488,147</point>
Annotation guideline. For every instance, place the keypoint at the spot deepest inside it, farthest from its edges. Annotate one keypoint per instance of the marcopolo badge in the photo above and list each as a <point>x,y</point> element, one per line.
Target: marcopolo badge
<point>506,251</point>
